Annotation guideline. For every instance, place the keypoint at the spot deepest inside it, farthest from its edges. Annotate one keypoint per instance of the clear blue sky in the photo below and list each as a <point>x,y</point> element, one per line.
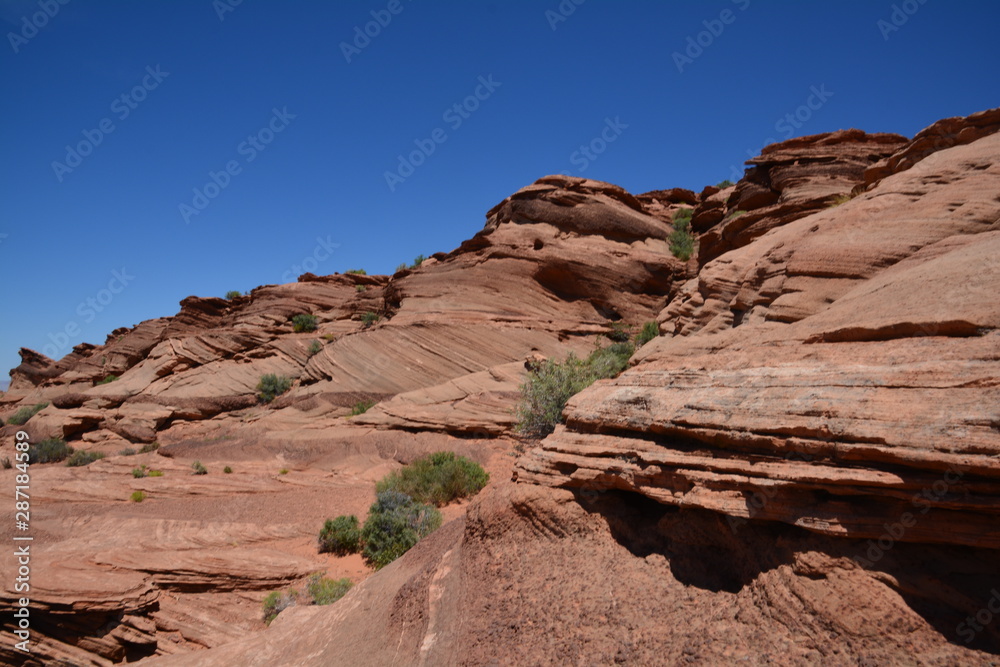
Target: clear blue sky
<point>196,88</point>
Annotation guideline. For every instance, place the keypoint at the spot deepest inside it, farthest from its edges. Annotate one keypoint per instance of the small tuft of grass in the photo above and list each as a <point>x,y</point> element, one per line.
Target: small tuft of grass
<point>357,272</point>
<point>722,185</point>
<point>156,473</point>
<point>198,468</point>
<point>417,261</point>
<point>81,458</point>
<point>401,267</point>
<point>276,602</point>
<point>149,447</point>
<point>233,294</point>
<point>26,413</point>
<point>327,591</point>
<point>360,288</point>
<point>227,470</point>
<point>140,472</point>
<point>362,407</point>
<point>50,450</point>
<point>127,451</point>
<point>138,496</point>
<point>649,331</point>
<point>109,379</point>
<point>369,318</point>
<point>314,348</point>
<point>283,471</point>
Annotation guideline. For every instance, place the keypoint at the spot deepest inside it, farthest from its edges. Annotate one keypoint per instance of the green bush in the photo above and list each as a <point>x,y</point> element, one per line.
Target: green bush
<point>314,348</point>
<point>395,523</point>
<point>227,470</point>
<point>49,450</point>
<point>26,413</point>
<point>138,496</point>
<point>271,386</point>
<point>304,322</point>
<point>650,330</point>
<point>198,468</point>
<point>108,379</point>
<point>357,272</point>
<point>436,479</point>
<point>327,591</point>
<point>724,184</point>
<point>361,288</point>
<point>283,471</point>
<point>127,451</point>
<point>548,388</point>
<point>156,473</point>
<point>417,261</point>
<point>149,447</point>
<point>233,294</point>
<point>140,472</point>
<point>340,536</point>
<point>681,239</point>
<point>620,332</point>
<point>362,407</point>
<point>369,318</point>
<point>81,458</point>
<point>401,267</point>
<point>276,602</point>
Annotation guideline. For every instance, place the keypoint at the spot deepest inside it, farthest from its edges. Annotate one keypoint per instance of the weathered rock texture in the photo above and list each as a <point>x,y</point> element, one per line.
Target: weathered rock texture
<point>804,468</point>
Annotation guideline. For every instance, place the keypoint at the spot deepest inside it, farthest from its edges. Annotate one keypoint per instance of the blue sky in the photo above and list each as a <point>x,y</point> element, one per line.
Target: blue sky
<point>154,150</point>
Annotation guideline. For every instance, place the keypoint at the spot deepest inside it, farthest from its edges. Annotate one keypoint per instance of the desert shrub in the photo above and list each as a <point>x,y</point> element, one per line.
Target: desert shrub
<point>314,348</point>
<point>126,451</point>
<point>401,267</point>
<point>271,386</point>
<point>360,288</point>
<point>82,458</point>
<point>362,407</point>
<point>549,387</point>
<point>227,470</point>
<point>436,479</point>
<point>735,214</point>
<point>303,322</point>
<point>841,199</point>
<point>156,473</point>
<point>140,472</point>
<point>108,379</point>
<point>49,450</point>
<point>6,464</point>
<point>283,471</point>
<point>417,261</point>
<point>650,330</point>
<point>724,184</point>
<point>395,523</point>
<point>198,468</point>
<point>149,447</point>
<point>369,318</point>
<point>619,332</point>
<point>357,272</point>
<point>26,413</point>
<point>276,602</point>
<point>681,239</point>
<point>138,496</point>
<point>340,536</point>
<point>329,337</point>
<point>233,294</point>
<point>327,591</point>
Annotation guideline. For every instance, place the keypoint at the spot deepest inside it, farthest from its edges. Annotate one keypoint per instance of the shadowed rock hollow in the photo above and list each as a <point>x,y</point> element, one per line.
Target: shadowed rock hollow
<point>802,469</point>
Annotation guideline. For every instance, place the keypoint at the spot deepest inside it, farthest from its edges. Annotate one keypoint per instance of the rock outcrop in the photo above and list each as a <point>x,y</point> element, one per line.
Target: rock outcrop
<point>803,468</point>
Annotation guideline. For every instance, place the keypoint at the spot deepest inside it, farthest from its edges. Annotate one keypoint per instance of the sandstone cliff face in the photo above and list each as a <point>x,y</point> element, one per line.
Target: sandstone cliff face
<point>804,468</point>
